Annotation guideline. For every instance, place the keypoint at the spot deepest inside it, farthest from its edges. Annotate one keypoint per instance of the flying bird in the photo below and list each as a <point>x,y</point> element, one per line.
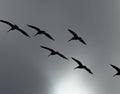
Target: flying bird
<point>117,69</point>
<point>76,37</point>
<point>81,66</point>
<point>41,32</point>
<point>53,52</point>
<point>14,27</point>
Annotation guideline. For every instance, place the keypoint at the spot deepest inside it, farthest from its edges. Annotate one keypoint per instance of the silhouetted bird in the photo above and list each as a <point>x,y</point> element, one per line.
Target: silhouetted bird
<point>117,69</point>
<point>81,66</point>
<point>40,32</point>
<point>53,52</point>
<point>14,27</point>
<point>76,37</point>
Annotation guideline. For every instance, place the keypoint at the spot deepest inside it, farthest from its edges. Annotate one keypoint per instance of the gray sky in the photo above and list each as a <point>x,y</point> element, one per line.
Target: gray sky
<point>25,67</point>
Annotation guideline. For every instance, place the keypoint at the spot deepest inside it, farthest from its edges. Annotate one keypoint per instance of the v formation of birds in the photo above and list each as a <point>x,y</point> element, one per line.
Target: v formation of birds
<point>52,51</point>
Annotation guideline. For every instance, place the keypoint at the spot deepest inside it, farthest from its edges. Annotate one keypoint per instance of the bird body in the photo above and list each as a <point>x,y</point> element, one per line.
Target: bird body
<point>53,52</point>
<point>76,37</point>
<point>81,66</point>
<point>117,69</point>
<point>40,32</point>
<point>14,27</point>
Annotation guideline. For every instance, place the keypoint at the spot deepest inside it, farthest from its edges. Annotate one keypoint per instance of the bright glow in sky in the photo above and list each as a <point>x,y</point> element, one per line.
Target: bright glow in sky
<point>72,85</point>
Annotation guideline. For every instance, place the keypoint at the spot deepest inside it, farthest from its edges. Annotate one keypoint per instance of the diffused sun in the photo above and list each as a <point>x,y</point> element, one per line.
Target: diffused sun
<point>72,85</point>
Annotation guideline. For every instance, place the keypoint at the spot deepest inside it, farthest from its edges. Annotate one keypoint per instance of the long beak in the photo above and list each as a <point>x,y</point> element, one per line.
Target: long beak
<point>9,30</point>
<point>35,35</point>
<point>114,75</point>
<point>49,55</point>
<point>75,67</point>
<point>69,40</point>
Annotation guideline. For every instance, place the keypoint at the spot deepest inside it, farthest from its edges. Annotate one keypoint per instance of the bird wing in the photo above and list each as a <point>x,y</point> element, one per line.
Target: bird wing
<point>61,55</point>
<point>7,22</point>
<point>115,67</point>
<point>79,63</point>
<point>73,33</point>
<point>34,27</point>
<point>87,69</point>
<point>81,40</point>
<point>23,32</point>
<point>47,48</point>
<point>46,34</point>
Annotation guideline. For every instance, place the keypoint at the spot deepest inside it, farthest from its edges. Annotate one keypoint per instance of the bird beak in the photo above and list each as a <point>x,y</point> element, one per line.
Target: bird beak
<point>49,55</point>
<point>69,40</point>
<point>35,35</point>
<point>75,67</point>
<point>114,75</point>
<point>67,59</point>
<point>9,30</point>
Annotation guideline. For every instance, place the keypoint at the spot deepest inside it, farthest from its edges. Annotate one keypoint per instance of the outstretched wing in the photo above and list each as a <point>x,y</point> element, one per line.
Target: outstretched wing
<point>87,69</point>
<point>79,63</point>
<point>47,48</point>
<point>6,22</point>
<point>81,40</point>
<point>115,67</point>
<point>50,37</point>
<point>23,32</point>
<point>61,55</point>
<point>73,33</point>
<point>34,27</point>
